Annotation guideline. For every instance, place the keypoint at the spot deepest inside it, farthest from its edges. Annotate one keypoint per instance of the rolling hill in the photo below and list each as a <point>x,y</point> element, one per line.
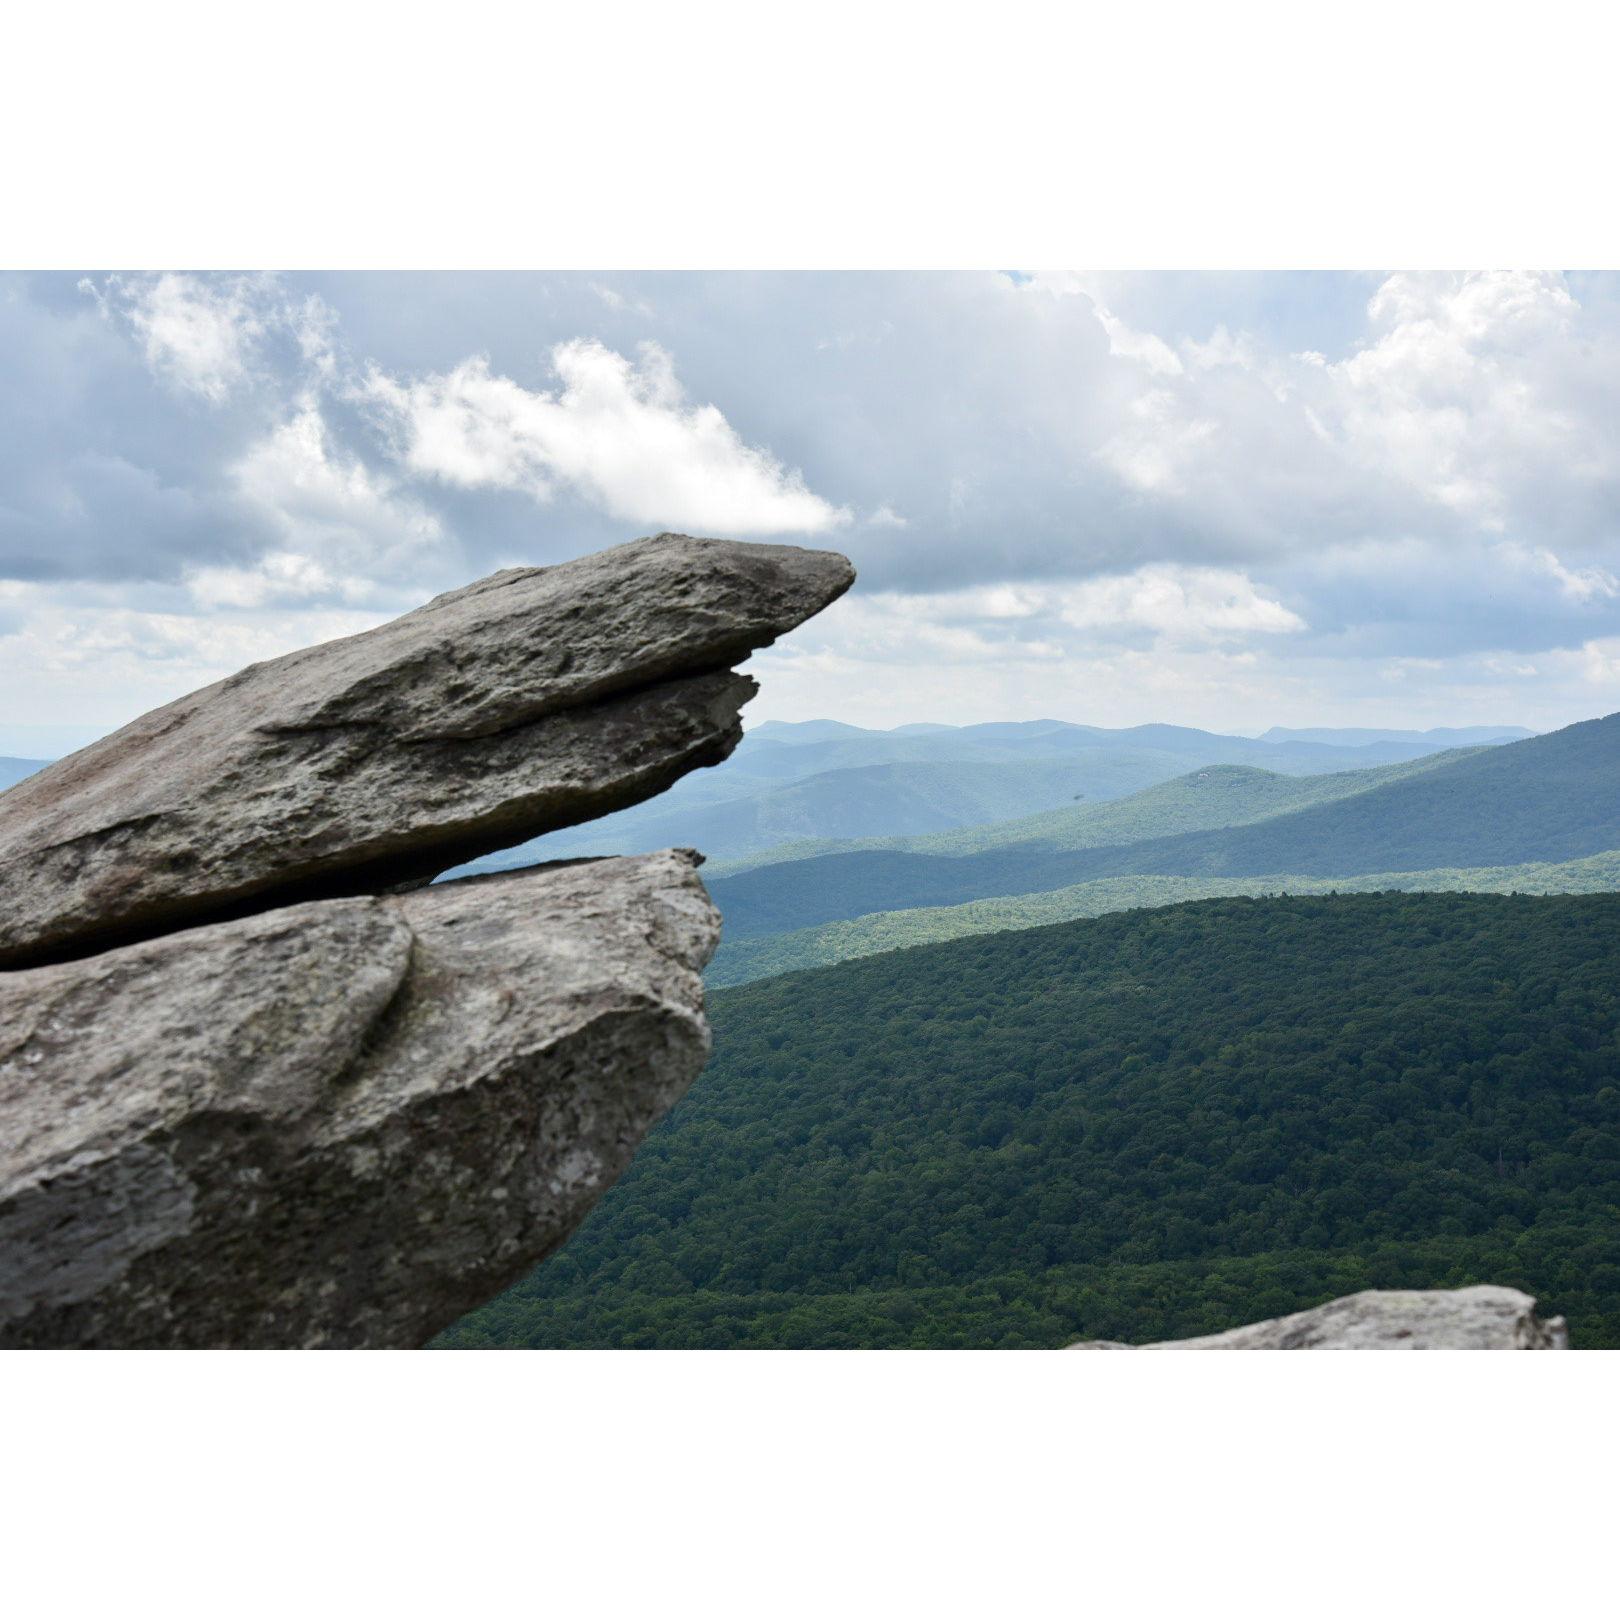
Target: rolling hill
<point>844,804</point>
<point>1213,796</point>
<point>934,777</point>
<point>1147,1125</point>
<point>744,960</point>
<point>1551,798</point>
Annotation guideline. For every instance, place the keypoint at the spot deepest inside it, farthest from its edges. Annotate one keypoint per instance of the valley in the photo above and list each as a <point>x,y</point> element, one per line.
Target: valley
<point>1143,1066</point>
<point>1140,1126</point>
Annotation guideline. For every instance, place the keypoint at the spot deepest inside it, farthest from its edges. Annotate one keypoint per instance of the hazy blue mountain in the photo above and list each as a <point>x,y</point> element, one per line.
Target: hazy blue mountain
<point>1547,799</point>
<point>14,770</point>
<point>843,803</point>
<point>852,804</point>
<point>1436,736</point>
<point>777,749</point>
<point>1014,776</point>
<point>795,733</point>
<point>1215,796</point>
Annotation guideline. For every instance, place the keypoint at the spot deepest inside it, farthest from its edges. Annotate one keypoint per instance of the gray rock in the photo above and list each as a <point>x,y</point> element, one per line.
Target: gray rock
<point>534,699</point>
<point>345,1122</point>
<point>1480,1318</point>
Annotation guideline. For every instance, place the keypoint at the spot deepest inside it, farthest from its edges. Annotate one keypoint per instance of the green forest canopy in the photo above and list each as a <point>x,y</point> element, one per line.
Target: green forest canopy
<point>744,960</point>
<point>1146,1125</point>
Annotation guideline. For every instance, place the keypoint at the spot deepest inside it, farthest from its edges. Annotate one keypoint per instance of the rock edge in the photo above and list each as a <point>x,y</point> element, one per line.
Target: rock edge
<point>1484,1317</point>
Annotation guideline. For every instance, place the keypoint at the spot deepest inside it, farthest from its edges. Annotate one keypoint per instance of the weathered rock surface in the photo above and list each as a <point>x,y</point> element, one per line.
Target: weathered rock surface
<point>534,699</point>
<point>341,1123</point>
<point>1481,1318</point>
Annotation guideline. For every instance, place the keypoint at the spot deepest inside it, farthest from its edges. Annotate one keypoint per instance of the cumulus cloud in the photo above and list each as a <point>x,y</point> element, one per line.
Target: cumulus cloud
<point>343,531</point>
<point>620,433</point>
<point>1181,604</point>
<point>1153,352</point>
<point>81,660</point>
<point>876,660</point>
<point>1578,584</point>
<point>1123,340</point>
<point>1474,404</point>
<point>199,334</point>
<point>1174,605</point>
<point>206,335</point>
<point>1234,498</point>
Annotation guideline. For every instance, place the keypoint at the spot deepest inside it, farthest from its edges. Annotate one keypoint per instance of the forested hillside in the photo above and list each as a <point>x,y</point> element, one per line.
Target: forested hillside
<point>744,960</point>
<point>1147,1125</point>
<point>1549,798</point>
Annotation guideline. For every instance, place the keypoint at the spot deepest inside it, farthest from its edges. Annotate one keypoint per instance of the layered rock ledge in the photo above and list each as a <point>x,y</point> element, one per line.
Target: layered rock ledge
<point>1480,1318</point>
<point>341,1123</point>
<point>532,700</point>
<point>258,1085</point>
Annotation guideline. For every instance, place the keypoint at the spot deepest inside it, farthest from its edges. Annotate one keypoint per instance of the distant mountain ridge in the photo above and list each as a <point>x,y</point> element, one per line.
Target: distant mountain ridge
<point>1003,769</point>
<point>1355,736</point>
<point>1214,796</point>
<point>1549,798</point>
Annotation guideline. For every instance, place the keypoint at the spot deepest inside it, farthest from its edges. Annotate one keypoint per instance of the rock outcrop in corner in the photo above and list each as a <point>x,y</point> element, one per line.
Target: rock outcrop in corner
<point>341,1123</point>
<point>1480,1318</point>
<point>253,1092</point>
<point>532,700</point>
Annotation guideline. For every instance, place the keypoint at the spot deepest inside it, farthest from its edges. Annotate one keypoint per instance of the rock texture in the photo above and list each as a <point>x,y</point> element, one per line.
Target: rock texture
<point>260,1087</point>
<point>534,699</point>
<point>1482,1318</point>
<point>344,1122</point>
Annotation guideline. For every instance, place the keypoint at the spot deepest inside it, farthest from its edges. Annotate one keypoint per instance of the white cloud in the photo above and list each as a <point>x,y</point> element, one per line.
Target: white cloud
<point>1455,394</point>
<point>1600,666</point>
<point>1476,404</point>
<point>1180,604</point>
<point>344,532</point>
<point>1026,624</point>
<point>618,433</point>
<point>198,333</point>
<point>618,303</point>
<point>1222,348</point>
<point>1578,584</point>
<point>1153,352</point>
<point>883,660</point>
<point>1123,340</point>
<point>278,577</point>
<point>1152,451</point>
<point>1168,497</point>
<point>205,335</point>
<point>97,657</point>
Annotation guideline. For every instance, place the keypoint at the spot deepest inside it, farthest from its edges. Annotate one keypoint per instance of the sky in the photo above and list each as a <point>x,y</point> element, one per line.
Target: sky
<point>1224,500</point>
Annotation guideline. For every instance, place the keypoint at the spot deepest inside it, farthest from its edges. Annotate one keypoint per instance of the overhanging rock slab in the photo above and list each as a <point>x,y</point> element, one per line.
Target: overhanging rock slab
<point>531,700</point>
